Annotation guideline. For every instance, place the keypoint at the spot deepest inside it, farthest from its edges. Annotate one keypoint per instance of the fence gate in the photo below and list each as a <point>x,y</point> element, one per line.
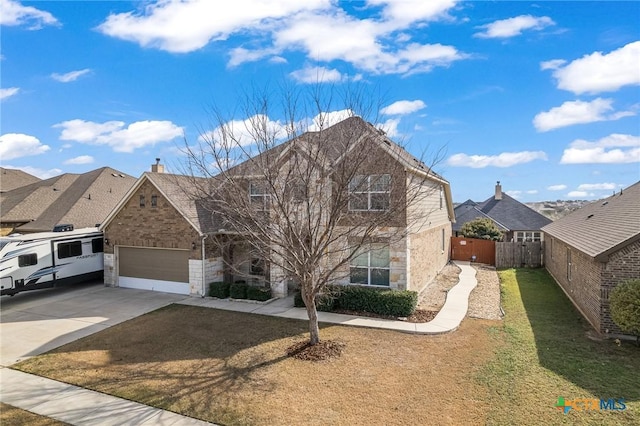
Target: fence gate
<point>518,255</point>
<point>473,249</point>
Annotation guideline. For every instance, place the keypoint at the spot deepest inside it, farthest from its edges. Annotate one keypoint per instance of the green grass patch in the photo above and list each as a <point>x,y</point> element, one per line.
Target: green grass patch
<point>542,352</point>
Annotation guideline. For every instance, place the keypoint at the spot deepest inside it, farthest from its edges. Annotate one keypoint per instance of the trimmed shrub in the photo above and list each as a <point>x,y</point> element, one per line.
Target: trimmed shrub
<point>396,303</point>
<point>324,303</point>
<point>219,289</point>
<point>238,290</point>
<point>624,303</point>
<point>260,294</point>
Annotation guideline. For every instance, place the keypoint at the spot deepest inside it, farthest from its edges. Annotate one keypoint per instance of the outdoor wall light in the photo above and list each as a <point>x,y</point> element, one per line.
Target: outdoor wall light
<point>106,241</point>
<point>193,246</point>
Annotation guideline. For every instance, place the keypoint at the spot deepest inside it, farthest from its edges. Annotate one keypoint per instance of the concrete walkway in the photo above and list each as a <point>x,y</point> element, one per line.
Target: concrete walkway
<point>79,406</point>
<point>448,319</point>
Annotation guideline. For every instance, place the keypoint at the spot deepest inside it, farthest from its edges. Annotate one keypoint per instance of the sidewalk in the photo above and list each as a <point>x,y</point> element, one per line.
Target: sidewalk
<point>79,406</point>
<point>448,319</point>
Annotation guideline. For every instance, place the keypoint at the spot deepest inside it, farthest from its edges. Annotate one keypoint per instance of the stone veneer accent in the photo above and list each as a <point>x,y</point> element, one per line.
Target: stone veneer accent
<point>591,281</point>
<point>426,255</point>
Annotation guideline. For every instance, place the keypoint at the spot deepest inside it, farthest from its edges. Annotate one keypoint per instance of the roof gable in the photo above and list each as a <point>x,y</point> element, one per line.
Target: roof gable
<point>602,227</point>
<point>512,214</point>
<point>11,179</point>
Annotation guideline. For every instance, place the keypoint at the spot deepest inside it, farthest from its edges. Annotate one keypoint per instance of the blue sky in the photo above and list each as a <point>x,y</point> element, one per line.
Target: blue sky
<point>543,96</point>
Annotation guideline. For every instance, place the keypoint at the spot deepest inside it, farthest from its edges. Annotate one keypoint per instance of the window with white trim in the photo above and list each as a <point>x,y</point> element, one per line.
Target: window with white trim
<point>371,266</point>
<point>258,196</point>
<point>522,236</point>
<point>369,192</point>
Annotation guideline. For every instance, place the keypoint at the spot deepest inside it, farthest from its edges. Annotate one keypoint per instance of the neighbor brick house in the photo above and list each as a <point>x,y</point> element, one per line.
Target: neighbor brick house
<point>517,221</point>
<point>592,250</point>
<point>158,229</point>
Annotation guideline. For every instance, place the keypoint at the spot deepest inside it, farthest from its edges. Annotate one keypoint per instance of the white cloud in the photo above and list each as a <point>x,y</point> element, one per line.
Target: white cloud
<point>560,187</point>
<point>581,194</point>
<point>612,149</point>
<point>514,194</point>
<point>15,14</point>
<point>390,127</point>
<point>512,27</point>
<point>83,159</point>
<point>37,172</point>
<point>506,159</point>
<point>16,145</point>
<point>246,132</point>
<point>120,138</point>
<point>532,191</point>
<point>184,26</point>
<point>596,186</point>
<point>316,75</point>
<point>553,64</point>
<point>327,119</point>
<point>578,112</point>
<point>70,76</point>
<point>8,92</point>
<point>403,107</point>
<point>598,72</point>
<point>319,28</point>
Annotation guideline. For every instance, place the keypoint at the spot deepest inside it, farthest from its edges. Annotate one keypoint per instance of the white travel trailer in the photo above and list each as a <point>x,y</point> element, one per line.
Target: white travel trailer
<point>50,259</point>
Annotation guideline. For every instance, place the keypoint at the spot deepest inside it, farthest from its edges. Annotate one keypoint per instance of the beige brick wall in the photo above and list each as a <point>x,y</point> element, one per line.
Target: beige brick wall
<point>162,226</point>
<point>426,255</point>
<point>584,286</point>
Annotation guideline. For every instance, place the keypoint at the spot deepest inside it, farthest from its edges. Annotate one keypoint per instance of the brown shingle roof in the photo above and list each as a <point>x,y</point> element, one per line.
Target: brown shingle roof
<point>602,227</point>
<point>11,179</point>
<point>83,200</point>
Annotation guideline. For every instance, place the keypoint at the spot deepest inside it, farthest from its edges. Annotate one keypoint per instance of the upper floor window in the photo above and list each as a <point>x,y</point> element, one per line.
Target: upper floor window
<point>441,198</point>
<point>142,201</point>
<point>154,201</point>
<point>258,196</point>
<point>369,192</point>
<point>371,266</point>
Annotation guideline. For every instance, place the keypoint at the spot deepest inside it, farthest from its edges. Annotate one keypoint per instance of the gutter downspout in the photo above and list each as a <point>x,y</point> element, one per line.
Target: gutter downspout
<point>203,289</point>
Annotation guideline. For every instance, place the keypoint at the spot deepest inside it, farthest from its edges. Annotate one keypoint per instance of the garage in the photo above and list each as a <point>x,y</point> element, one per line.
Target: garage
<point>145,268</point>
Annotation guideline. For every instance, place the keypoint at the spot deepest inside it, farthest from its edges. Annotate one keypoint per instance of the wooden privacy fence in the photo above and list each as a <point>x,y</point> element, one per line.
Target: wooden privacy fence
<point>518,255</point>
<point>474,250</point>
<point>501,255</point>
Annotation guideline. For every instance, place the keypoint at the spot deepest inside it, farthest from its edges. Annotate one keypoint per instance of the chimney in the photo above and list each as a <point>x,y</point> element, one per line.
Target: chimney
<point>498,191</point>
<point>157,168</point>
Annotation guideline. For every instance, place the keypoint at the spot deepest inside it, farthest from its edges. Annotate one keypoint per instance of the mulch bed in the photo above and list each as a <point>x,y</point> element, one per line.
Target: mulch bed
<point>418,316</point>
<point>324,350</point>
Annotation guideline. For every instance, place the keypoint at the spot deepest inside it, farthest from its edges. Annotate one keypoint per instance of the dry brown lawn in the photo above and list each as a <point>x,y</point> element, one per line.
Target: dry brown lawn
<point>12,416</point>
<point>231,368</point>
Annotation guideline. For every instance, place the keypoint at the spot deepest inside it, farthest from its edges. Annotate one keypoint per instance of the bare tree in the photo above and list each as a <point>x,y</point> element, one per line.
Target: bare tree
<point>305,194</point>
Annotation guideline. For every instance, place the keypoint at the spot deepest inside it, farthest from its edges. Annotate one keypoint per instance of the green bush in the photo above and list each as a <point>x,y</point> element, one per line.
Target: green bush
<point>624,303</point>
<point>366,299</point>
<point>396,303</point>
<point>219,289</point>
<point>324,303</point>
<point>260,294</point>
<point>238,290</point>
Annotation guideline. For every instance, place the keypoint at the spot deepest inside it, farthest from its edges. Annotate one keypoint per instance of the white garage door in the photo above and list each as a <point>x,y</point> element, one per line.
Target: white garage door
<point>154,269</point>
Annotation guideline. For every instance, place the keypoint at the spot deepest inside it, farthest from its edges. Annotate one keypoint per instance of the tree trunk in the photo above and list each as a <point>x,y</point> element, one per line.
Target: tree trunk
<point>314,331</point>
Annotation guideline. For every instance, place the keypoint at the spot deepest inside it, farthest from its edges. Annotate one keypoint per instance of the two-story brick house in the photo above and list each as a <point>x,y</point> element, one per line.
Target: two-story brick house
<point>158,224</point>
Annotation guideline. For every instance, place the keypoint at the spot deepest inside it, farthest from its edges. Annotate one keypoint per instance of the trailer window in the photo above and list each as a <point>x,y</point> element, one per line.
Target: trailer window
<point>97,245</point>
<point>69,249</point>
<point>27,260</point>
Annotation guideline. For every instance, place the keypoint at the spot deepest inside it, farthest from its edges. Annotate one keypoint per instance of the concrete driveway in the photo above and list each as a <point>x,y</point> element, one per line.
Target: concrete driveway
<point>35,322</point>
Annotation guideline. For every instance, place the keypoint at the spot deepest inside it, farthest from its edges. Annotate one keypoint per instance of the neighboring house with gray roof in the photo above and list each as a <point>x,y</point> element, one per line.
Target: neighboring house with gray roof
<point>83,200</point>
<point>590,251</point>
<point>517,221</point>
<point>11,179</point>
<point>159,238</point>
